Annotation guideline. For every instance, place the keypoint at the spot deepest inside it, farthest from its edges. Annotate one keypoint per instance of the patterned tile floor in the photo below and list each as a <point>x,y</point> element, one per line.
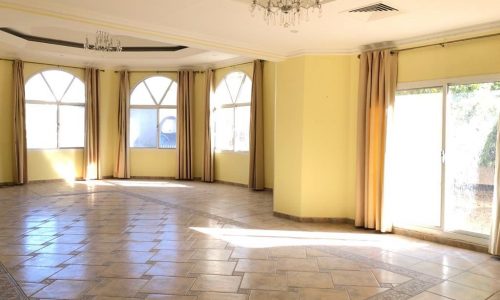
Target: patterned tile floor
<point>189,240</point>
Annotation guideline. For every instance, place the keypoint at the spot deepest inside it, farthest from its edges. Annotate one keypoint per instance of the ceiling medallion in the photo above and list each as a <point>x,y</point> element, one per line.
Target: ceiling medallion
<point>286,13</point>
<point>103,42</point>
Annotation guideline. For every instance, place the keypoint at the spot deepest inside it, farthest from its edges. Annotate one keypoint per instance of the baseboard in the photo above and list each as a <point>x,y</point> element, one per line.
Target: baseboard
<point>152,177</point>
<point>231,183</point>
<point>440,239</point>
<point>7,184</point>
<point>313,219</point>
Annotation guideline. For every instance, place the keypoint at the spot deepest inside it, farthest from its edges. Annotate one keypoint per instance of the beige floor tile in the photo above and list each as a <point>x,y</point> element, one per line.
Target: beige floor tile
<point>384,276</point>
<point>57,248</point>
<point>217,283</point>
<point>174,245</point>
<point>135,257</point>
<point>250,253</point>
<point>34,274</point>
<point>170,269</point>
<point>13,260</point>
<point>79,272</point>
<point>489,269</point>
<point>125,270</point>
<point>221,296</point>
<point>337,263</point>
<point>310,280</point>
<point>211,254</point>
<point>355,278</point>
<point>118,287</point>
<point>458,291</point>
<point>476,281</point>
<point>214,267</point>
<point>172,255</point>
<point>209,244</point>
<point>264,282</point>
<point>137,246</point>
<point>428,296</point>
<point>100,247</point>
<point>168,285</point>
<point>495,296</point>
<point>362,293</point>
<point>65,289</point>
<point>256,266</point>
<point>436,270</point>
<point>297,264</point>
<point>289,252</point>
<point>31,288</point>
<point>47,260</point>
<point>273,295</point>
<point>323,294</point>
<point>170,297</point>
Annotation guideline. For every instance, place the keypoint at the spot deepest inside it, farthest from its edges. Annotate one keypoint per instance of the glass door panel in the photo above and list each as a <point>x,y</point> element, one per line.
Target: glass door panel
<point>471,125</point>
<point>413,179</point>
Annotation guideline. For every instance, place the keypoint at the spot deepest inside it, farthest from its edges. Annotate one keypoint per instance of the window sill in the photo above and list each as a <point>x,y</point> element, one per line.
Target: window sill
<point>147,148</point>
<point>231,152</point>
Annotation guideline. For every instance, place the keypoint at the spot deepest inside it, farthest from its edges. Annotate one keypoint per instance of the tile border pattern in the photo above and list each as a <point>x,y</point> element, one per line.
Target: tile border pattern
<point>9,288</point>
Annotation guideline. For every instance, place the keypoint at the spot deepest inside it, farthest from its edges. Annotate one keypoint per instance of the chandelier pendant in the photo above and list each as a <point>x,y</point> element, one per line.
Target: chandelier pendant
<point>103,42</point>
<point>286,13</point>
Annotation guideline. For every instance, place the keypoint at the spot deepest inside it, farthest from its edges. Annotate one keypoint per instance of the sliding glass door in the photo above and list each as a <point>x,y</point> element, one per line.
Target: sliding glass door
<point>441,161</point>
<point>471,130</point>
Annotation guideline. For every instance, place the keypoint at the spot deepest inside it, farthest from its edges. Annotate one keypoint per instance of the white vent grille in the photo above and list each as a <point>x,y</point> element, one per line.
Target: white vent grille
<point>377,7</point>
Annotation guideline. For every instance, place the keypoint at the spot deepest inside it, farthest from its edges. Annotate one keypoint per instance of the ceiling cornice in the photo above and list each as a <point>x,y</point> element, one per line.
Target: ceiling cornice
<point>142,30</point>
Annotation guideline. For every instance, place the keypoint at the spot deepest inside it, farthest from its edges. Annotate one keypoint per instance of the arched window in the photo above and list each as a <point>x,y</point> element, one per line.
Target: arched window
<point>55,111</point>
<point>232,112</point>
<point>153,114</point>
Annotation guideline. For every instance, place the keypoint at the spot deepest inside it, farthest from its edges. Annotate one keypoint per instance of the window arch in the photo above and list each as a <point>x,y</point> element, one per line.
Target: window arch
<point>55,110</point>
<point>232,112</point>
<point>153,113</point>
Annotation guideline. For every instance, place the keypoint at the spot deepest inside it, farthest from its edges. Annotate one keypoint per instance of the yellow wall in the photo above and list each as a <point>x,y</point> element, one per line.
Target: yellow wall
<point>108,120</point>
<point>6,121</point>
<point>314,145</point>
<point>471,58</point>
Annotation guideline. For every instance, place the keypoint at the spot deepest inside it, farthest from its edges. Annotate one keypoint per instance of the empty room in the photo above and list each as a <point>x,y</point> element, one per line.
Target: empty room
<point>249,149</point>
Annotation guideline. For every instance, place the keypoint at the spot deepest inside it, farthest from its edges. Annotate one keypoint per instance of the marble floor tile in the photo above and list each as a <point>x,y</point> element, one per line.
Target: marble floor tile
<point>217,283</point>
<point>458,291</point>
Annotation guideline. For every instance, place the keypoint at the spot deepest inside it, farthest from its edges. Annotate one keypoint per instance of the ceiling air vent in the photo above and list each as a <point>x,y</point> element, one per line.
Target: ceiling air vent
<point>373,12</point>
<point>377,7</point>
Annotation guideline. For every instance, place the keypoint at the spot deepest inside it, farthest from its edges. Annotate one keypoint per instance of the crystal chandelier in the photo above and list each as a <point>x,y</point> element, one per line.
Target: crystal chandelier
<point>103,42</point>
<point>286,13</point>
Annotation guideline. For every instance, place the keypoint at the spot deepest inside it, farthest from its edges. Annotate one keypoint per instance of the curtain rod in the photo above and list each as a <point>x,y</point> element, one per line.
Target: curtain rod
<point>157,72</point>
<point>444,43</point>
<point>47,64</point>
<point>232,66</point>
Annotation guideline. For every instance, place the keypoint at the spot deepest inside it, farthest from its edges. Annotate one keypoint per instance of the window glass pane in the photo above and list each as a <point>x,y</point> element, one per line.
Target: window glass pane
<point>171,97</point>
<point>242,128</point>
<point>245,91</point>
<point>168,128</point>
<point>141,96</point>
<point>37,89</point>
<point>71,126</point>
<point>41,126</point>
<point>75,93</point>
<point>224,128</point>
<point>158,86</point>
<point>58,81</point>
<point>413,168</point>
<point>222,95</point>
<point>471,130</point>
<point>233,81</point>
<point>143,125</point>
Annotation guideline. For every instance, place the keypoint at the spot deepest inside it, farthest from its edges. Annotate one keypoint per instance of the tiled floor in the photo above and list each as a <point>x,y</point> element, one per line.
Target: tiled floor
<point>178,240</point>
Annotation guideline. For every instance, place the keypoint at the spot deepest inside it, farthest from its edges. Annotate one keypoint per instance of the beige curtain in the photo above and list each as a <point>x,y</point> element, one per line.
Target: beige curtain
<point>122,165</point>
<point>377,87</point>
<point>20,163</point>
<point>91,150</point>
<point>495,225</point>
<point>256,176</point>
<point>185,95</point>
<point>208,174</point>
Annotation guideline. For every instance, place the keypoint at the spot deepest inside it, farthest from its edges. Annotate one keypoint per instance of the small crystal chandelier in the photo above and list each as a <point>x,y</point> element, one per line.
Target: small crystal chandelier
<point>286,13</point>
<point>103,42</point>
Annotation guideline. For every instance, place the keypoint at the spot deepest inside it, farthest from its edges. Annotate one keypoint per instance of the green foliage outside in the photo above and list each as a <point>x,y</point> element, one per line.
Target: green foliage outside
<point>488,154</point>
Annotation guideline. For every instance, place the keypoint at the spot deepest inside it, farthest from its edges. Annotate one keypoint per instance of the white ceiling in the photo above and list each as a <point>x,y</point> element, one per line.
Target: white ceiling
<point>223,31</point>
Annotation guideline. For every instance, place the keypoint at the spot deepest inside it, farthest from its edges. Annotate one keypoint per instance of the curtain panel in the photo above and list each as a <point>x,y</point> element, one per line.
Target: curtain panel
<point>20,163</point>
<point>122,164</point>
<point>185,95</point>
<point>256,170</point>
<point>91,164</point>
<point>377,89</point>
<point>208,174</point>
<point>495,218</point>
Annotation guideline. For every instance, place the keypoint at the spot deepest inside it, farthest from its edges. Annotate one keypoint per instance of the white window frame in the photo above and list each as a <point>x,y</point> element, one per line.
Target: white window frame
<point>232,106</point>
<point>57,103</point>
<point>467,236</point>
<point>157,107</point>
